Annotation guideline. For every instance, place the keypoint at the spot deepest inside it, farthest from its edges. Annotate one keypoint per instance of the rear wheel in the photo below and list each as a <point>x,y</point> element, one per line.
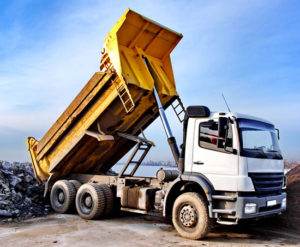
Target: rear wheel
<point>90,201</point>
<point>190,216</point>
<point>62,196</point>
<point>75,183</point>
<point>109,199</point>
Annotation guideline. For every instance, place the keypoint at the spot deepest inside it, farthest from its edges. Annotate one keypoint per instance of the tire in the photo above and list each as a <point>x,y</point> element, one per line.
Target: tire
<point>76,184</point>
<point>62,196</point>
<point>190,216</point>
<point>90,201</point>
<point>109,199</point>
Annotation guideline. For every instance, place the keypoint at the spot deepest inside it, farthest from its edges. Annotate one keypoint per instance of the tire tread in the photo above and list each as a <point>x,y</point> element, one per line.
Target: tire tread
<point>109,199</point>
<point>76,184</point>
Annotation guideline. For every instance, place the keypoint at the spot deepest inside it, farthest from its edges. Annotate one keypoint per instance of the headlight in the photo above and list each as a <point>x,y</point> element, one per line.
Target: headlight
<point>250,208</point>
<point>283,203</point>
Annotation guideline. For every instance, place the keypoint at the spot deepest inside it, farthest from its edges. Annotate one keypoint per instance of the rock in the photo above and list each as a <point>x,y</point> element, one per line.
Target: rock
<point>28,178</point>
<point>15,180</point>
<point>5,186</point>
<point>4,203</point>
<point>27,201</point>
<point>5,213</point>
<point>20,187</point>
<point>5,165</point>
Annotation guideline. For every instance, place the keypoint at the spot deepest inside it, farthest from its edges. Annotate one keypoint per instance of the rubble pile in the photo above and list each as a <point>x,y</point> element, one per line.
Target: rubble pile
<point>293,197</point>
<point>20,193</point>
<point>290,219</point>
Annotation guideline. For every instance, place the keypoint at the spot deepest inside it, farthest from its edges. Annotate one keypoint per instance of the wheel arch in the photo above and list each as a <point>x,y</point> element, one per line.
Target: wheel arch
<point>197,183</point>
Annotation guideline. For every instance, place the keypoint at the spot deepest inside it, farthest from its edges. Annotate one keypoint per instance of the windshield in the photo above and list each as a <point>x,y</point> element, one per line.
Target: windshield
<point>258,139</point>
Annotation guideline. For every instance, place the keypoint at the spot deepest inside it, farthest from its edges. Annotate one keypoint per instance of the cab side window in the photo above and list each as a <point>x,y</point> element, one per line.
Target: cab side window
<point>208,136</point>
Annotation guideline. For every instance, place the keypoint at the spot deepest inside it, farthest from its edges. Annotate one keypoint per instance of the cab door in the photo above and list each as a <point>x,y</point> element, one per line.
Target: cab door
<point>214,162</point>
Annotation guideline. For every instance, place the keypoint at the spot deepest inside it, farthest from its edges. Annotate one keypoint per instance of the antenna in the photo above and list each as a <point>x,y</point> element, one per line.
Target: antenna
<point>226,102</point>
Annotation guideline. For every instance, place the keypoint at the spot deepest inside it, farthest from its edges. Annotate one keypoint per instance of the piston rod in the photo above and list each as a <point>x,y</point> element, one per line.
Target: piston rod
<point>163,117</point>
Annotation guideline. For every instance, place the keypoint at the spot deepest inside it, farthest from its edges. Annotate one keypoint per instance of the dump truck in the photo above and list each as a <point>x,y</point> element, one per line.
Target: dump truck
<point>229,165</point>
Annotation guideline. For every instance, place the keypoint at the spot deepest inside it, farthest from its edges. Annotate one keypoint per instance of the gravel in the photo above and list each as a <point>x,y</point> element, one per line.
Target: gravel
<point>20,193</point>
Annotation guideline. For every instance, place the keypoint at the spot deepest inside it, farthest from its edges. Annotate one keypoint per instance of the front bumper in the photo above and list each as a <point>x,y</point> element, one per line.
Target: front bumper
<point>262,208</point>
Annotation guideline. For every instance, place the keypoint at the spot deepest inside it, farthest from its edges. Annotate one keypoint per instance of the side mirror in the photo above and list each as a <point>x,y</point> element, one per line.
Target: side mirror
<point>222,129</point>
<point>278,136</point>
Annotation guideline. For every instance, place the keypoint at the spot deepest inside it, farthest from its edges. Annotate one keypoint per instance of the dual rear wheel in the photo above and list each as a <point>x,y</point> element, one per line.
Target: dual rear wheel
<point>92,200</point>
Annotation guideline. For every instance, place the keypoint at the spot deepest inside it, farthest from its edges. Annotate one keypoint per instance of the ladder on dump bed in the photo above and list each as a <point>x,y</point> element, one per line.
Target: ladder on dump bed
<point>143,145</point>
<point>124,94</point>
<point>179,109</point>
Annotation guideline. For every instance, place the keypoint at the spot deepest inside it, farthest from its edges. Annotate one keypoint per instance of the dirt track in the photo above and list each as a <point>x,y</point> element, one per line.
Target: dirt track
<point>129,230</point>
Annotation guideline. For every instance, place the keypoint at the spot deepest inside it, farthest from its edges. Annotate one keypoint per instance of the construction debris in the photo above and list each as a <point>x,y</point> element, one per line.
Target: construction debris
<point>289,220</point>
<point>292,216</point>
<point>20,193</point>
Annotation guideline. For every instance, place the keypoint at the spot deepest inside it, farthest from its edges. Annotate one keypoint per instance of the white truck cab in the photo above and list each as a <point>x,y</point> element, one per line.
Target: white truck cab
<point>239,157</point>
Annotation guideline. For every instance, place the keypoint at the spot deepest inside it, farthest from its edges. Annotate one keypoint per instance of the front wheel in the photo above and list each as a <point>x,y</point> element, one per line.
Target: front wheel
<point>190,216</point>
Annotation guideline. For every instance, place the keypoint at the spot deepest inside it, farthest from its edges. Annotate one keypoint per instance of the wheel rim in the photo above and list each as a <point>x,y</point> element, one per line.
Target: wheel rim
<point>86,203</point>
<point>60,197</point>
<point>188,216</point>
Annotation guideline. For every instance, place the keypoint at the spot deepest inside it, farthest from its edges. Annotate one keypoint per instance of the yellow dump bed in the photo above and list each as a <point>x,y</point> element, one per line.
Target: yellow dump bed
<point>119,98</point>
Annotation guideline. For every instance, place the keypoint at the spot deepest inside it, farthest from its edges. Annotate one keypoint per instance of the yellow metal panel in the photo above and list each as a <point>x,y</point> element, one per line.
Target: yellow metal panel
<point>165,85</point>
<point>40,168</point>
<point>135,70</point>
<point>133,36</point>
<point>78,131</point>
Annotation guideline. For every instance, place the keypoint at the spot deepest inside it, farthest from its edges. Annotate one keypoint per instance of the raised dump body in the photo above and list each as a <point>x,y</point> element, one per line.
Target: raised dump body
<point>119,99</point>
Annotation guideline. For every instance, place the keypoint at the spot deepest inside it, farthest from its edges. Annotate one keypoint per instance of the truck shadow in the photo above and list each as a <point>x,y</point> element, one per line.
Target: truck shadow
<point>250,232</point>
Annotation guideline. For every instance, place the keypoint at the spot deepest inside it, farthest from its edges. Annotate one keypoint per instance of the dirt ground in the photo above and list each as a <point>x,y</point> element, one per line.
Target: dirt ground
<point>290,220</point>
<point>131,230</point>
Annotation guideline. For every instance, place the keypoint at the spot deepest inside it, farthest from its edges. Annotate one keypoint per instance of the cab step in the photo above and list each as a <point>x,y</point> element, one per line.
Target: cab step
<point>227,222</point>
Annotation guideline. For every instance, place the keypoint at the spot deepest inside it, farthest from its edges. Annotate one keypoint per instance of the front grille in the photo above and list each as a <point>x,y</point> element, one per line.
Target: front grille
<point>267,183</point>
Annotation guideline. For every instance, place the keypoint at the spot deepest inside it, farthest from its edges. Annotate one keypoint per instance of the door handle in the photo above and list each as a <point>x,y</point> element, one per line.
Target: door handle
<point>198,163</point>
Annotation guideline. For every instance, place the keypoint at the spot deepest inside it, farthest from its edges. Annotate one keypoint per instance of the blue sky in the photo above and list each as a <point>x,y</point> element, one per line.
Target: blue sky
<point>248,50</point>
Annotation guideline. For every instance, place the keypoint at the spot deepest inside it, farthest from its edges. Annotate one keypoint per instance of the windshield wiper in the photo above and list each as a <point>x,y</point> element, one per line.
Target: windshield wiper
<point>277,157</point>
<point>261,155</point>
<point>276,153</point>
<point>259,149</point>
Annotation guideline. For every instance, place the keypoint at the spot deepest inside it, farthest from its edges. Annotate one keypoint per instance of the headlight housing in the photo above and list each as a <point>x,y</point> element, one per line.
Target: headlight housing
<point>250,208</point>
